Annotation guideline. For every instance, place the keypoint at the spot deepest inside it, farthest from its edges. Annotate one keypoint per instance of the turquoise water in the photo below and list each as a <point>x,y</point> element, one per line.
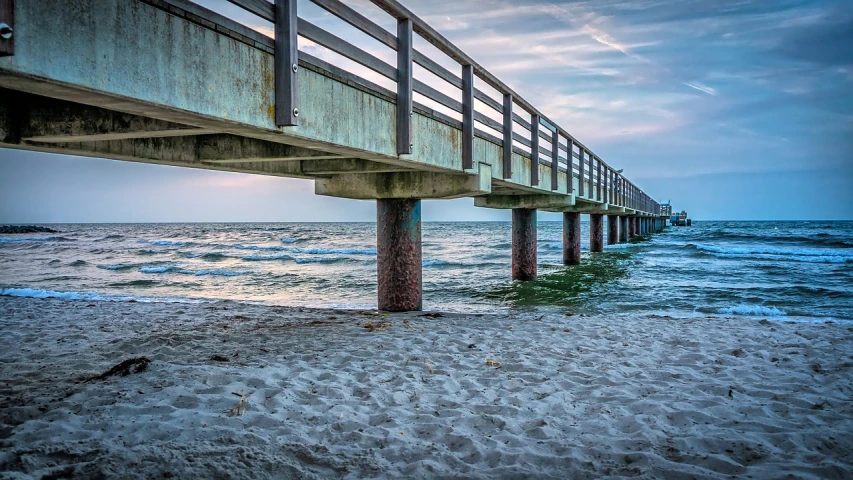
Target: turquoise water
<point>801,270</point>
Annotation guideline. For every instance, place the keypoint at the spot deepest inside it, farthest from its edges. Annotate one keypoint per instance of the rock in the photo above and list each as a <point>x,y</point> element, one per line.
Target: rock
<point>25,229</point>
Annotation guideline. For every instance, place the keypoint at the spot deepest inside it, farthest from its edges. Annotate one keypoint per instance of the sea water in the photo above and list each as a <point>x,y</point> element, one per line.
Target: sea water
<point>790,270</point>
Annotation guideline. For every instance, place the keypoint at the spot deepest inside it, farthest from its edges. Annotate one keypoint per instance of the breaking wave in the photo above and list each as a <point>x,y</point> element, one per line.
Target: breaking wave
<point>752,310</point>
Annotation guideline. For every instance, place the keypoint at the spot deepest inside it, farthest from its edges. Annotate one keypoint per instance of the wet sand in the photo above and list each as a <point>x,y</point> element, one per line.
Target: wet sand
<point>249,391</point>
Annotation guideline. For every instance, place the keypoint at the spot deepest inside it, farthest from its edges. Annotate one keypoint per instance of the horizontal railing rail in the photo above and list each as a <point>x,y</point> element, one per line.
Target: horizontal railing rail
<point>547,143</point>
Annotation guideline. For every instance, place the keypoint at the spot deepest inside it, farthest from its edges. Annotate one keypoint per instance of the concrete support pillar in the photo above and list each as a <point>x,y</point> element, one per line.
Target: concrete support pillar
<point>636,226</point>
<point>612,229</point>
<point>596,232</point>
<point>399,257</point>
<point>623,229</point>
<point>524,244</point>
<point>643,229</point>
<point>571,238</point>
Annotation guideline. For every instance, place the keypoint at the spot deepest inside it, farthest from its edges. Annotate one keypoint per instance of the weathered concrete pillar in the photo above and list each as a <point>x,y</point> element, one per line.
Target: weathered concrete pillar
<point>524,244</point>
<point>571,238</point>
<point>612,229</point>
<point>643,229</point>
<point>623,229</point>
<point>399,257</point>
<point>596,232</point>
<point>636,229</point>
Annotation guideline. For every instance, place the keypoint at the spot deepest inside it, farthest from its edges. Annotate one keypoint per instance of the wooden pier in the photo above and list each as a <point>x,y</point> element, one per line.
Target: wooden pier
<point>170,82</point>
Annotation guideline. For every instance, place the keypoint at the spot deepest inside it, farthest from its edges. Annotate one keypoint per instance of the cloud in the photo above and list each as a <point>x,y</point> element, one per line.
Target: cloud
<point>701,88</point>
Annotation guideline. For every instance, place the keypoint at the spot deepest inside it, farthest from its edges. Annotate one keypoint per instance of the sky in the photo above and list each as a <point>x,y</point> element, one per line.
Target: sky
<point>739,110</point>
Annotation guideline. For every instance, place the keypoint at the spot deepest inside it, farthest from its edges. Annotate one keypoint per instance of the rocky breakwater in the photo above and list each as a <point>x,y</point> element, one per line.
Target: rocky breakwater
<point>4,229</point>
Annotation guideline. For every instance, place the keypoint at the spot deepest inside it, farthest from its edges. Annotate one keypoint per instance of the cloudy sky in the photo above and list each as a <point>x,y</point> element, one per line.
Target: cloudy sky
<point>738,109</point>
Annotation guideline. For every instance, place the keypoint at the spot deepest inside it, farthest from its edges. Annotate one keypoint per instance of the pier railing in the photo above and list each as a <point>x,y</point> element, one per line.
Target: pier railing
<point>499,121</point>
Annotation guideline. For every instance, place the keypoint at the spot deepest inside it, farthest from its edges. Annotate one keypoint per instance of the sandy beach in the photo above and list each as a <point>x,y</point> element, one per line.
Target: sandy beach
<point>238,390</point>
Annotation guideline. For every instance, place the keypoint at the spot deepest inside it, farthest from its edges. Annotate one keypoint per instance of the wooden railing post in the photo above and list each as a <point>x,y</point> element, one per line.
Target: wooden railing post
<point>591,174</point>
<point>600,181</point>
<point>404,86</point>
<point>286,63</point>
<point>534,149</point>
<point>507,164</point>
<point>467,117</point>
<point>555,162</point>
<point>580,167</point>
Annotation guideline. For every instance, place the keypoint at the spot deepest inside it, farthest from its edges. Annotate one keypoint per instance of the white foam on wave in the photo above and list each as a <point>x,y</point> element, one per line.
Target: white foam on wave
<point>163,243</point>
<point>258,247</point>
<point>184,271</point>
<point>318,260</point>
<point>91,296</point>
<point>120,266</point>
<point>621,246</point>
<point>265,258</point>
<point>430,263</point>
<point>289,240</point>
<point>752,310</point>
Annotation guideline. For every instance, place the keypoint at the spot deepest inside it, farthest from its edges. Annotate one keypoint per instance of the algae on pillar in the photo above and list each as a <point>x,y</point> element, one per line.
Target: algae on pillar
<point>571,238</point>
<point>596,232</point>
<point>524,244</point>
<point>399,255</point>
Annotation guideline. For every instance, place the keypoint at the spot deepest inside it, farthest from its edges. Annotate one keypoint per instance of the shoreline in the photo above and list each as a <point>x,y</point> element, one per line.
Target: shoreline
<point>350,394</point>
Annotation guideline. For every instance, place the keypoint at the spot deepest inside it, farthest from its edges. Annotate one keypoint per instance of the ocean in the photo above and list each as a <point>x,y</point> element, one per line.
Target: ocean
<point>800,271</point>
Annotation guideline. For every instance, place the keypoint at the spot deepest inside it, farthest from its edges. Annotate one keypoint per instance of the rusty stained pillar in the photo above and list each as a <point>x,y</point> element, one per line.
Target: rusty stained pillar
<point>399,257</point>
<point>623,229</point>
<point>596,232</point>
<point>524,244</point>
<point>631,226</point>
<point>571,238</point>
<point>612,229</point>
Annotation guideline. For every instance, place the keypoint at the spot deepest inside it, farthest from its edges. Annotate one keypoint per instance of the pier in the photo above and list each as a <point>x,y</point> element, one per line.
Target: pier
<point>170,82</point>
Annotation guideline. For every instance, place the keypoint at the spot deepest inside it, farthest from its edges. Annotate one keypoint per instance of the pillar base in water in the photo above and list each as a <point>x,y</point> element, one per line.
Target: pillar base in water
<point>596,232</point>
<point>524,244</point>
<point>399,256</point>
<point>613,229</point>
<point>571,238</point>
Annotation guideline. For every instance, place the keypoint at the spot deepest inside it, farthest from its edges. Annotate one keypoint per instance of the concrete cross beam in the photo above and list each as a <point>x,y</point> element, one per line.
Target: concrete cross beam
<point>402,185</point>
<point>524,201</point>
<point>175,151</point>
<point>32,118</point>
<point>347,165</point>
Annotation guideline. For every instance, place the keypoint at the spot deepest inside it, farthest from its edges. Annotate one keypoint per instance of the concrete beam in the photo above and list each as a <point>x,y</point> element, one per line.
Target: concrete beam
<point>175,151</point>
<point>45,120</point>
<point>348,165</point>
<point>235,149</point>
<point>40,123</point>
<point>524,201</point>
<point>412,185</point>
<point>584,208</point>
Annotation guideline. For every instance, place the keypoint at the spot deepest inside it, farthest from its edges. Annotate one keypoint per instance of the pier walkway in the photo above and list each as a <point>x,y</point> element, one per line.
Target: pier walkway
<point>170,82</point>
